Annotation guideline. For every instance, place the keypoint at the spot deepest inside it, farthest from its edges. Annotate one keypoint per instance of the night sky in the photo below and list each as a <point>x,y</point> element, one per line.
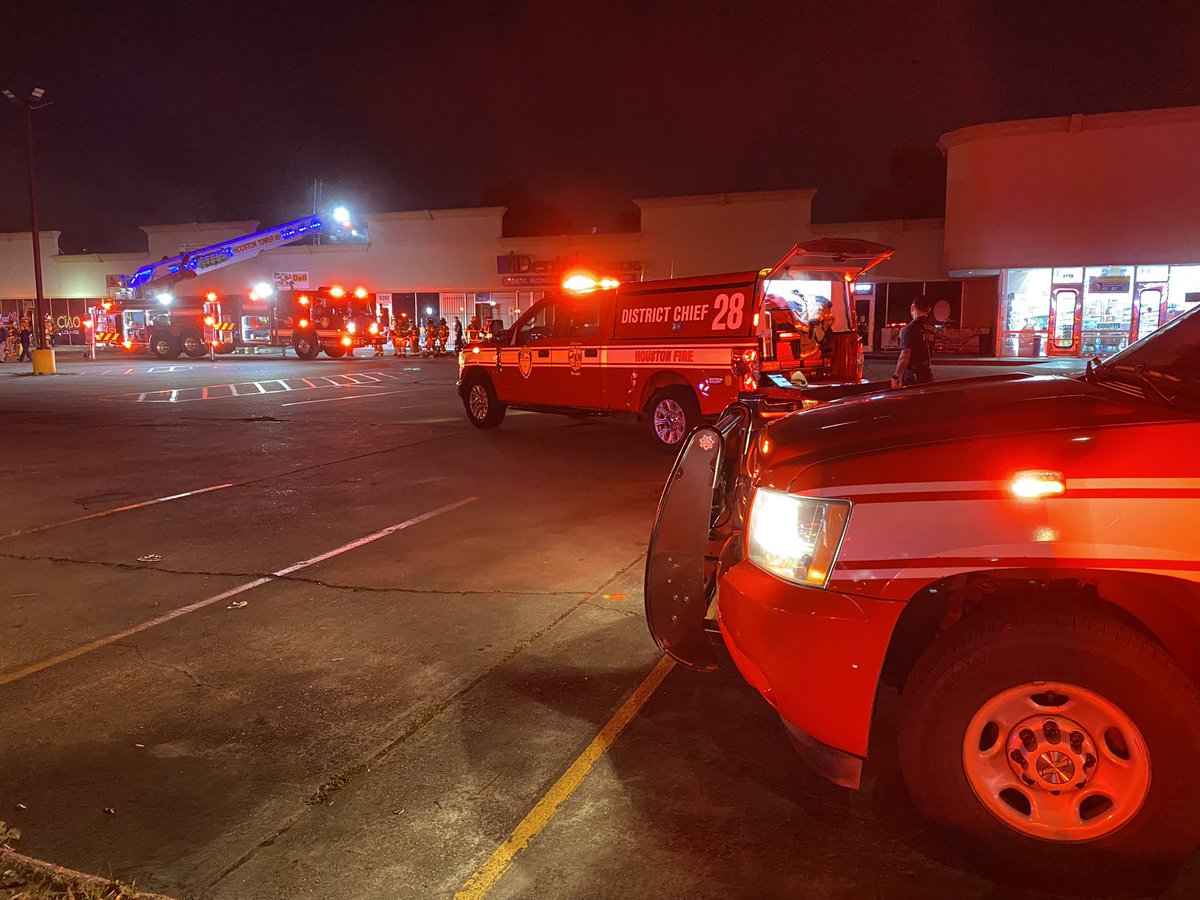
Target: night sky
<point>563,109</point>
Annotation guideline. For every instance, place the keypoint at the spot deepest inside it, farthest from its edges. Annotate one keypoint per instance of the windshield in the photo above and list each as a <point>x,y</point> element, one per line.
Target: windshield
<point>1165,366</point>
<point>1173,349</point>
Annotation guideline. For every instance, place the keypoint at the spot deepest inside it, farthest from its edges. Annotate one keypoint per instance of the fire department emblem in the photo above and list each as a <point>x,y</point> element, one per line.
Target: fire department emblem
<point>525,361</point>
<point>575,358</point>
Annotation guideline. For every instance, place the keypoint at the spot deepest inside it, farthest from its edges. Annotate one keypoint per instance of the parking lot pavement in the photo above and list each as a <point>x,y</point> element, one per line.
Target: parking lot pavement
<point>256,646</point>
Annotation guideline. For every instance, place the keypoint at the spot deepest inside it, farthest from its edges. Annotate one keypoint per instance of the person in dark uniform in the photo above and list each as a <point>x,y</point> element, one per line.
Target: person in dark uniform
<point>916,346</point>
<point>25,337</point>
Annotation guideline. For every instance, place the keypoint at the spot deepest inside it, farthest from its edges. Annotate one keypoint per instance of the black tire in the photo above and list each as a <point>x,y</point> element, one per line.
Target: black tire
<point>334,351</point>
<point>483,407</point>
<point>307,345</point>
<point>164,345</point>
<point>950,697</point>
<point>192,344</point>
<point>671,414</point>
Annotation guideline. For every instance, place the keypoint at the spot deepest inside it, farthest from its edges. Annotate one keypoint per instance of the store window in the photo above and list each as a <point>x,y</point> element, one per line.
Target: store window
<point>1107,309</point>
<point>1025,312</point>
<point>1183,292</point>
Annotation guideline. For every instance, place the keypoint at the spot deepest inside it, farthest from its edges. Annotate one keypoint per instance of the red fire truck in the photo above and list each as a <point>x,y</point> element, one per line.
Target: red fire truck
<point>672,352</point>
<point>151,314</point>
<point>332,319</point>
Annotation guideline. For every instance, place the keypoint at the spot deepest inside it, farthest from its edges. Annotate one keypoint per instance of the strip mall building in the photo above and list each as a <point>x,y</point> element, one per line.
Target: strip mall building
<point>1063,236</point>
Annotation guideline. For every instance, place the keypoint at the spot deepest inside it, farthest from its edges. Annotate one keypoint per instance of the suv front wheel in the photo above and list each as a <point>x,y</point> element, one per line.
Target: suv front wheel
<point>484,409</point>
<point>1054,741</point>
<point>672,413</point>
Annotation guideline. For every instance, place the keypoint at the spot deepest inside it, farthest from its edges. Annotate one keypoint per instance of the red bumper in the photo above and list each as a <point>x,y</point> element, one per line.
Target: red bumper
<point>815,655</point>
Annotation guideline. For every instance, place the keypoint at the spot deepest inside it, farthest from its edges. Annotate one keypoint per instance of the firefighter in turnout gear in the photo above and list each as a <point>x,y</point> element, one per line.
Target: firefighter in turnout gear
<point>474,331</point>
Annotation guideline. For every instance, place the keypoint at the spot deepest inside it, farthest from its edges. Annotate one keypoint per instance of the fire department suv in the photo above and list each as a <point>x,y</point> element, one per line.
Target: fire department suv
<point>1019,556</point>
<point>672,352</point>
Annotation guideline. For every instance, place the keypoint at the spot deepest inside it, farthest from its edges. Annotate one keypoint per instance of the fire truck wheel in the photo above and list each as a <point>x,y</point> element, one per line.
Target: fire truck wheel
<point>1052,742</point>
<point>484,409</point>
<point>335,351</point>
<point>672,413</point>
<point>306,346</point>
<point>163,345</point>
<point>192,345</point>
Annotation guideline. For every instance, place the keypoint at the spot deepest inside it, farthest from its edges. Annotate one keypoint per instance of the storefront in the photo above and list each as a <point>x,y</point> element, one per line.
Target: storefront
<point>1087,222</point>
<point>1090,310</point>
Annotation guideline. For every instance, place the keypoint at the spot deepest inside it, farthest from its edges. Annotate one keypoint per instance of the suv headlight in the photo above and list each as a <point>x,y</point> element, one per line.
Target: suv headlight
<point>796,538</point>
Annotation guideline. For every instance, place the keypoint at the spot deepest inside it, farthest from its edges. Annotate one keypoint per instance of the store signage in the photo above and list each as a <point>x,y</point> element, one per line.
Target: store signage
<point>1109,284</point>
<point>291,280</point>
<point>528,280</point>
<point>524,270</point>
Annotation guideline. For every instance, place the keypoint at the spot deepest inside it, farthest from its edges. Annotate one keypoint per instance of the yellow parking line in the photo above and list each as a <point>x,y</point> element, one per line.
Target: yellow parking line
<point>485,878</point>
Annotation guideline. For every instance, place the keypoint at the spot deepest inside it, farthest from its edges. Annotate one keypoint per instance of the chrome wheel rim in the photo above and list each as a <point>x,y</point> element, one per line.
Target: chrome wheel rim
<point>1057,762</point>
<point>191,345</point>
<point>162,347</point>
<point>669,421</point>
<point>478,402</point>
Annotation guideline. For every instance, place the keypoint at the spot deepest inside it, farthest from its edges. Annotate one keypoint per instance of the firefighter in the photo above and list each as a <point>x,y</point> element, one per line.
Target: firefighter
<point>443,337</point>
<point>473,330</point>
<point>400,336</point>
<point>414,338</point>
<point>377,341</point>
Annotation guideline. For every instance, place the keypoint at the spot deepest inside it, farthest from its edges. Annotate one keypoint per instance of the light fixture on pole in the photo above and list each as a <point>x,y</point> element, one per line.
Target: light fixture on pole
<point>43,358</point>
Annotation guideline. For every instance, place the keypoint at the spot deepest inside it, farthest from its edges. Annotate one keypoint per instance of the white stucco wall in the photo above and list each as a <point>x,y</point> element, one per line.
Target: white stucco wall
<point>16,264</point>
<point>457,249</point>
<point>1072,190</point>
<point>713,233</point>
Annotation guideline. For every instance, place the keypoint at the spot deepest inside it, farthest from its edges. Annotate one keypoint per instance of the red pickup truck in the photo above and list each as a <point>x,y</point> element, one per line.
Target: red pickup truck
<point>1018,556</point>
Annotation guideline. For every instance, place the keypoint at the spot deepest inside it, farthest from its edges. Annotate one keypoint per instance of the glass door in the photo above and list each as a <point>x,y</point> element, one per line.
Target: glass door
<point>1147,311</point>
<point>1066,314</point>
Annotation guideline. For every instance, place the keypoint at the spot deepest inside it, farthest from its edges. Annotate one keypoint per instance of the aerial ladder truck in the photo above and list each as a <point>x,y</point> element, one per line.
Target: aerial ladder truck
<point>166,308</point>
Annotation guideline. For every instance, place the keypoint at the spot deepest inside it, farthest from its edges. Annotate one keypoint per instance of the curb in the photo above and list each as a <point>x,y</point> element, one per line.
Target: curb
<point>60,878</point>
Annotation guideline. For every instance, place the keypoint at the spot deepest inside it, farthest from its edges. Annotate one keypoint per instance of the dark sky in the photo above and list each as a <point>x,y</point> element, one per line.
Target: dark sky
<point>170,111</point>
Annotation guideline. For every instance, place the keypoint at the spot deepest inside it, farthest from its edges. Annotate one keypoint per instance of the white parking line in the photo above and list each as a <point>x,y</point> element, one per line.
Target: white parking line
<point>82,649</point>
<point>109,512</point>
<point>350,397</point>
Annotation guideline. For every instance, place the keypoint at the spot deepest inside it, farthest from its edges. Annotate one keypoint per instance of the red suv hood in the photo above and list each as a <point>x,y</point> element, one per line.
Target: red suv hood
<point>955,411</point>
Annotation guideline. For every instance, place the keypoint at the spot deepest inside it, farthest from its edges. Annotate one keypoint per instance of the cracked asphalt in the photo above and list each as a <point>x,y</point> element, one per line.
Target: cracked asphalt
<point>374,639</point>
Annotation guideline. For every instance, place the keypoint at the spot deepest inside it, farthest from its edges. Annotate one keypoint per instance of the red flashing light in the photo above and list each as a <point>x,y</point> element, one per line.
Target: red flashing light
<point>579,282</point>
<point>360,293</point>
<point>128,345</point>
<point>107,304</point>
<point>347,341</point>
<point>303,323</point>
<point>87,323</point>
<point>337,291</point>
<point>211,296</point>
<point>304,301</point>
<point>1035,485</point>
<point>209,321</point>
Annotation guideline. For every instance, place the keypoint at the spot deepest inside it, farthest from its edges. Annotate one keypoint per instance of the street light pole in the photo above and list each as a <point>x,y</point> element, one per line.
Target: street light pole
<point>44,355</point>
<point>39,299</point>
